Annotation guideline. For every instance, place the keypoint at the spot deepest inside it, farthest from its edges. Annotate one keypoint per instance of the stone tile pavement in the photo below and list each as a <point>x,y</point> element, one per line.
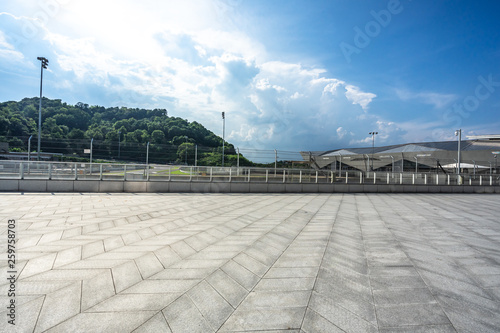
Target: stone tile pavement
<point>252,262</point>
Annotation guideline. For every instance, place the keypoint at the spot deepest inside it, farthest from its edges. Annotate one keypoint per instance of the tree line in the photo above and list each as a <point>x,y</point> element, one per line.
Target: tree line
<point>119,133</point>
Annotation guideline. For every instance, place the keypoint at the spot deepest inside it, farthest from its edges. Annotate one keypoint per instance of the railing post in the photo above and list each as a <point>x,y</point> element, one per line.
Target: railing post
<point>346,176</point>
<point>49,168</point>
<point>448,179</point>
<point>170,174</point>
<point>100,171</point>
<point>147,172</point>
<point>284,176</point>
<point>124,172</point>
<point>76,171</point>
<point>413,178</point>
<point>374,178</point>
<point>230,173</point>
<point>425,177</point>
<point>437,179</point>
<point>361,177</point>
<point>211,174</point>
<point>21,170</point>
<point>470,180</point>
<point>388,179</point>
<point>267,176</point>
<point>331,174</point>
<point>316,177</point>
<point>481,180</point>
<point>190,173</point>
<point>300,177</point>
<point>401,179</point>
<point>249,175</point>
<point>491,180</point>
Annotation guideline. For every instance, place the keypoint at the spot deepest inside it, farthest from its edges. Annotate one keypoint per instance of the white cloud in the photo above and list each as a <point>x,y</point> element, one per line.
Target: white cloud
<point>7,51</point>
<point>356,96</point>
<point>437,100</point>
<point>186,60</point>
<point>341,132</point>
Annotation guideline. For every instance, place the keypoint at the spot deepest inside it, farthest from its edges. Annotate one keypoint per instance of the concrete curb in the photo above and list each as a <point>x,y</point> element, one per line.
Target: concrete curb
<point>114,186</point>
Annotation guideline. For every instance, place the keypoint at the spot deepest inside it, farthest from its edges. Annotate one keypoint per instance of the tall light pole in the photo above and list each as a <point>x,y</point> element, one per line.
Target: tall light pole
<point>373,145</point>
<point>459,134</point>
<point>223,135</point>
<point>44,64</point>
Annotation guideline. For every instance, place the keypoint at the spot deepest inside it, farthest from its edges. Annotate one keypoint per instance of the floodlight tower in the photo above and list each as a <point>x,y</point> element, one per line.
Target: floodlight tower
<point>223,134</point>
<point>373,145</point>
<point>459,134</point>
<point>44,64</point>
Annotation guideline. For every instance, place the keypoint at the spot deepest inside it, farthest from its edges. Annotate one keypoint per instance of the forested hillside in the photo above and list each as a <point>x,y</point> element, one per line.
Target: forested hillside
<point>118,133</point>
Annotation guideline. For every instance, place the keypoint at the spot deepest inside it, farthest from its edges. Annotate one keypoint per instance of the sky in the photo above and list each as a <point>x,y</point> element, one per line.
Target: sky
<point>296,75</point>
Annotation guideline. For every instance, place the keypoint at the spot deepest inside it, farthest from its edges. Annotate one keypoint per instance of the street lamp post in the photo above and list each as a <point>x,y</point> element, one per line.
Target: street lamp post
<point>44,64</point>
<point>91,148</point>
<point>186,162</point>
<point>275,161</point>
<point>223,135</point>
<point>459,134</point>
<point>119,143</point>
<point>29,153</point>
<point>196,155</point>
<point>29,148</point>
<point>373,145</point>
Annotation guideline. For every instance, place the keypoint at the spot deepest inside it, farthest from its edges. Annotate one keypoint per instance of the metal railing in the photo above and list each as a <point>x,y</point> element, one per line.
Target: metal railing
<point>172,173</point>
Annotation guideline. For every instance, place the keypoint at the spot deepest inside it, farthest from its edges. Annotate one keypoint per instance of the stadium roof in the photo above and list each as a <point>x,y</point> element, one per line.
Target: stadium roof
<point>466,145</point>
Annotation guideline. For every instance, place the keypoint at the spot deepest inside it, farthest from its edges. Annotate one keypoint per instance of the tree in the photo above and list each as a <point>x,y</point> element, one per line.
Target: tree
<point>19,120</point>
<point>17,127</point>
<point>112,136</point>
<point>158,136</point>
<point>76,134</point>
<point>185,150</point>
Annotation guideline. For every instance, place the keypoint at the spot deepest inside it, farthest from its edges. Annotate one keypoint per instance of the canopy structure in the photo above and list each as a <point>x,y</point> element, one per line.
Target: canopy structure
<point>478,154</point>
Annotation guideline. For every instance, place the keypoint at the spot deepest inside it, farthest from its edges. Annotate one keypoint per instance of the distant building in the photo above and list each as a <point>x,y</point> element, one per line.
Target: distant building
<point>478,154</point>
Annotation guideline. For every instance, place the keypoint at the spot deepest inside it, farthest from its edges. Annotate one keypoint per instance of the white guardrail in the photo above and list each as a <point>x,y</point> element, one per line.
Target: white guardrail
<point>172,173</point>
<point>154,172</point>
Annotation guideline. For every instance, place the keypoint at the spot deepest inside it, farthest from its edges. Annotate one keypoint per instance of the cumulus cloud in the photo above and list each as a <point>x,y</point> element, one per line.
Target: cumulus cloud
<point>437,100</point>
<point>341,132</point>
<point>7,51</point>
<point>198,70</point>
<point>356,96</point>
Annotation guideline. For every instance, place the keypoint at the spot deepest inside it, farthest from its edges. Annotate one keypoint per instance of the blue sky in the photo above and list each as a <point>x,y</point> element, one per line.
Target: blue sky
<point>290,75</point>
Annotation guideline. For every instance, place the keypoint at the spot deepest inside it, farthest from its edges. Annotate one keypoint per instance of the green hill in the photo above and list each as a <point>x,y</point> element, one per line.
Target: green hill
<point>118,133</point>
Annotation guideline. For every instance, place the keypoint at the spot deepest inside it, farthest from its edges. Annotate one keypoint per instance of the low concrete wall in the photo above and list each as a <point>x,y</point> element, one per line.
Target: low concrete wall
<point>113,186</point>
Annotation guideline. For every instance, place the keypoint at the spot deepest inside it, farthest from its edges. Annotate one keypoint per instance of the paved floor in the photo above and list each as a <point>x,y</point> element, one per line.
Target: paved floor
<point>253,263</point>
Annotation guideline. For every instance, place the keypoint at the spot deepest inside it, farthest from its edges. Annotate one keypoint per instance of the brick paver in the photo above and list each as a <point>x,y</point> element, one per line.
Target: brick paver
<point>252,262</point>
